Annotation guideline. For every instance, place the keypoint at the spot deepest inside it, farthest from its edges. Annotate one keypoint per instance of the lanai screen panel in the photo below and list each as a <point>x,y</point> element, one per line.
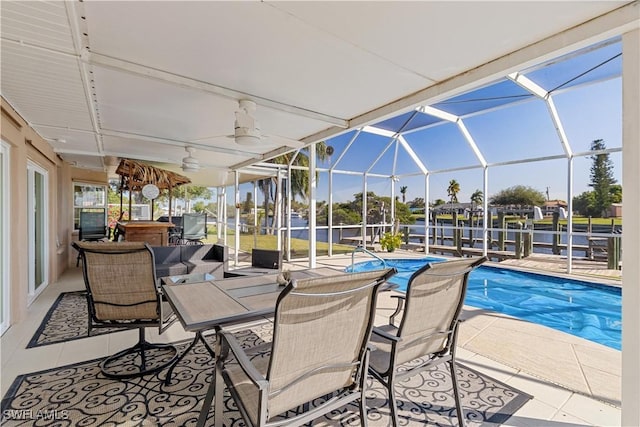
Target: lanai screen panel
<point>345,186</point>
<point>542,176</point>
<point>586,66</point>
<point>498,94</point>
<point>521,131</point>
<point>364,152</point>
<point>592,112</point>
<point>442,147</point>
<point>469,181</point>
<point>408,121</point>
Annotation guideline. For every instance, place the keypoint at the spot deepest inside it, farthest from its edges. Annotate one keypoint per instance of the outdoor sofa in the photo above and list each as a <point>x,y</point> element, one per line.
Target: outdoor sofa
<point>191,259</point>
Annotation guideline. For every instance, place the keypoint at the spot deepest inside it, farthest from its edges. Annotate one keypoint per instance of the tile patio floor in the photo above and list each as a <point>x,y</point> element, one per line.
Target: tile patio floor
<point>574,382</point>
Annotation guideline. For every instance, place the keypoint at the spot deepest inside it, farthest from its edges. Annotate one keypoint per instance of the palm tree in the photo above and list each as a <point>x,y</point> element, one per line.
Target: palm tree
<point>299,178</point>
<point>403,190</point>
<point>453,190</point>
<point>476,198</point>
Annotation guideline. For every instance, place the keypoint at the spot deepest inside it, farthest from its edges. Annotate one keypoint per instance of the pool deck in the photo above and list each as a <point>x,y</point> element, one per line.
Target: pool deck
<point>573,381</point>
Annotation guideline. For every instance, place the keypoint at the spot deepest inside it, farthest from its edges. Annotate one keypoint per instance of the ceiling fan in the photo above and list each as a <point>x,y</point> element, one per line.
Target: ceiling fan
<point>247,132</point>
<point>247,128</point>
<point>190,163</point>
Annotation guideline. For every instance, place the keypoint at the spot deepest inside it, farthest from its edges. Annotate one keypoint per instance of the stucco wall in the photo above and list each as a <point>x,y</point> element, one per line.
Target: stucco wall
<point>26,145</point>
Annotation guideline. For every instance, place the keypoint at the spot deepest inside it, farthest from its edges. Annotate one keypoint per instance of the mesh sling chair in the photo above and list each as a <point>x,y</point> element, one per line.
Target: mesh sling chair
<point>194,228</point>
<point>92,227</point>
<point>428,330</point>
<point>121,293</point>
<point>321,330</point>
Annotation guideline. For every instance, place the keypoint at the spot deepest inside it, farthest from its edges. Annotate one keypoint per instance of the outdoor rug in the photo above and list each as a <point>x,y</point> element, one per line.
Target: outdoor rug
<point>66,320</point>
<point>79,394</point>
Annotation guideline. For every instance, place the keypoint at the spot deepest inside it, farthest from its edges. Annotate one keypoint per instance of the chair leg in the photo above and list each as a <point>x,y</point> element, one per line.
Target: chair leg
<point>113,366</point>
<point>363,409</point>
<point>393,404</point>
<point>456,394</point>
<point>206,404</point>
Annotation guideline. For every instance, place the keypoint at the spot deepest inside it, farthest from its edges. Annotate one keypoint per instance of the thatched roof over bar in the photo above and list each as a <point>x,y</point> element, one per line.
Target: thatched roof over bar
<point>136,175</point>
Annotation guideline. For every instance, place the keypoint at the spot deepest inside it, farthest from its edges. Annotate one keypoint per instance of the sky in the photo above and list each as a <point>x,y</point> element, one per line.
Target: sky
<point>588,99</point>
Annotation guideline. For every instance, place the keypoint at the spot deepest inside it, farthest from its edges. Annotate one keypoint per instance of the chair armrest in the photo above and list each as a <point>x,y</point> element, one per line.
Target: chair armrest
<point>385,335</point>
<point>400,305</point>
<point>242,359</point>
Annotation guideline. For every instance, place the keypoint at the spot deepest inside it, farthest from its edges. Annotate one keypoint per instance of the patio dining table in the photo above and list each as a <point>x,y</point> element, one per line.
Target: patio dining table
<point>209,305</point>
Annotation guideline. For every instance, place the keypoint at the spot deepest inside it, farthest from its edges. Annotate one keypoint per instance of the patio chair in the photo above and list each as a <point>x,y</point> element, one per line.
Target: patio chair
<point>194,228</point>
<point>428,330</point>
<point>92,227</point>
<point>121,293</point>
<point>321,330</point>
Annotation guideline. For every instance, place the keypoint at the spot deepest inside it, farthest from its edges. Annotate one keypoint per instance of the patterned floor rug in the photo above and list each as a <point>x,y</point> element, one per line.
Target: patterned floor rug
<point>66,320</point>
<point>80,395</point>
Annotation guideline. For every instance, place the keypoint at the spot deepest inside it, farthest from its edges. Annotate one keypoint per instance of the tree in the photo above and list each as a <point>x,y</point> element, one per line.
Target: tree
<point>418,202</point>
<point>477,198</point>
<point>601,178</point>
<point>403,191</point>
<point>583,204</point>
<point>616,193</point>
<point>518,195</point>
<point>439,202</point>
<point>247,206</point>
<point>299,177</point>
<point>453,190</point>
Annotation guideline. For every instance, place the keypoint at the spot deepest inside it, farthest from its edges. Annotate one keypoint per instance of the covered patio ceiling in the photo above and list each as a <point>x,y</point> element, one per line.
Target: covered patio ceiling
<point>143,80</point>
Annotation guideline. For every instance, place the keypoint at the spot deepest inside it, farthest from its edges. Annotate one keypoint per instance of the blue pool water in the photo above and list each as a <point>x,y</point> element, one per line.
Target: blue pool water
<point>590,311</point>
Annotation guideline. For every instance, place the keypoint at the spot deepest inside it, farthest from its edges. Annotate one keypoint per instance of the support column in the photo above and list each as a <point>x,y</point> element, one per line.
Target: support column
<point>487,221</point>
<point>570,215</point>
<point>288,215</point>
<point>631,213</point>
<point>236,204</point>
<point>330,215</point>
<point>313,185</point>
<point>277,211</point>
<point>427,215</point>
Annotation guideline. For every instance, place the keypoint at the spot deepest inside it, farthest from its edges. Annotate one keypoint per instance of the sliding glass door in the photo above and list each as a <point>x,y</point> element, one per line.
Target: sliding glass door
<point>37,190</point>
<point>4,238</point>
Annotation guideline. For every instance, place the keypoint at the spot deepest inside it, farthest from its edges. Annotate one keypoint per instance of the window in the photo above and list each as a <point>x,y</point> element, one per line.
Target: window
<point>87,196</point>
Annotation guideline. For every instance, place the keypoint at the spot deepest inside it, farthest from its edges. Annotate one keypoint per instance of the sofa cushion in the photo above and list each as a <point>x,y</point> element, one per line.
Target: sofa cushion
<point>206,258</point>
<point>166,254</point>
<point>171,269</point>
<point>216,268</point>
<point>198,252</point>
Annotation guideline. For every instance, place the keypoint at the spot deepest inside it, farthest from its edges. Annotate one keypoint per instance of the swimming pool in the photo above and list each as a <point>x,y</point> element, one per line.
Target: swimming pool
<point>587,310</point>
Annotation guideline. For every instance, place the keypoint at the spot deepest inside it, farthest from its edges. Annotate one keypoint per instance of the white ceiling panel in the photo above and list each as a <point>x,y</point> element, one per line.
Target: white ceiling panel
<point>43,86</point>
<point>67,140</point>
<point>42,24</point>
<point>84,162</point>
<point>281,57</point>
<point>147,150</point>
<point>421,37</point>
<point>144,79</point>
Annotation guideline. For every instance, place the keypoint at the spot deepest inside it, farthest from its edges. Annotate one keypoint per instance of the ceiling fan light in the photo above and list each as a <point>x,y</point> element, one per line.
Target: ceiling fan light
<point>187,168</point>
<point>247,139</point>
